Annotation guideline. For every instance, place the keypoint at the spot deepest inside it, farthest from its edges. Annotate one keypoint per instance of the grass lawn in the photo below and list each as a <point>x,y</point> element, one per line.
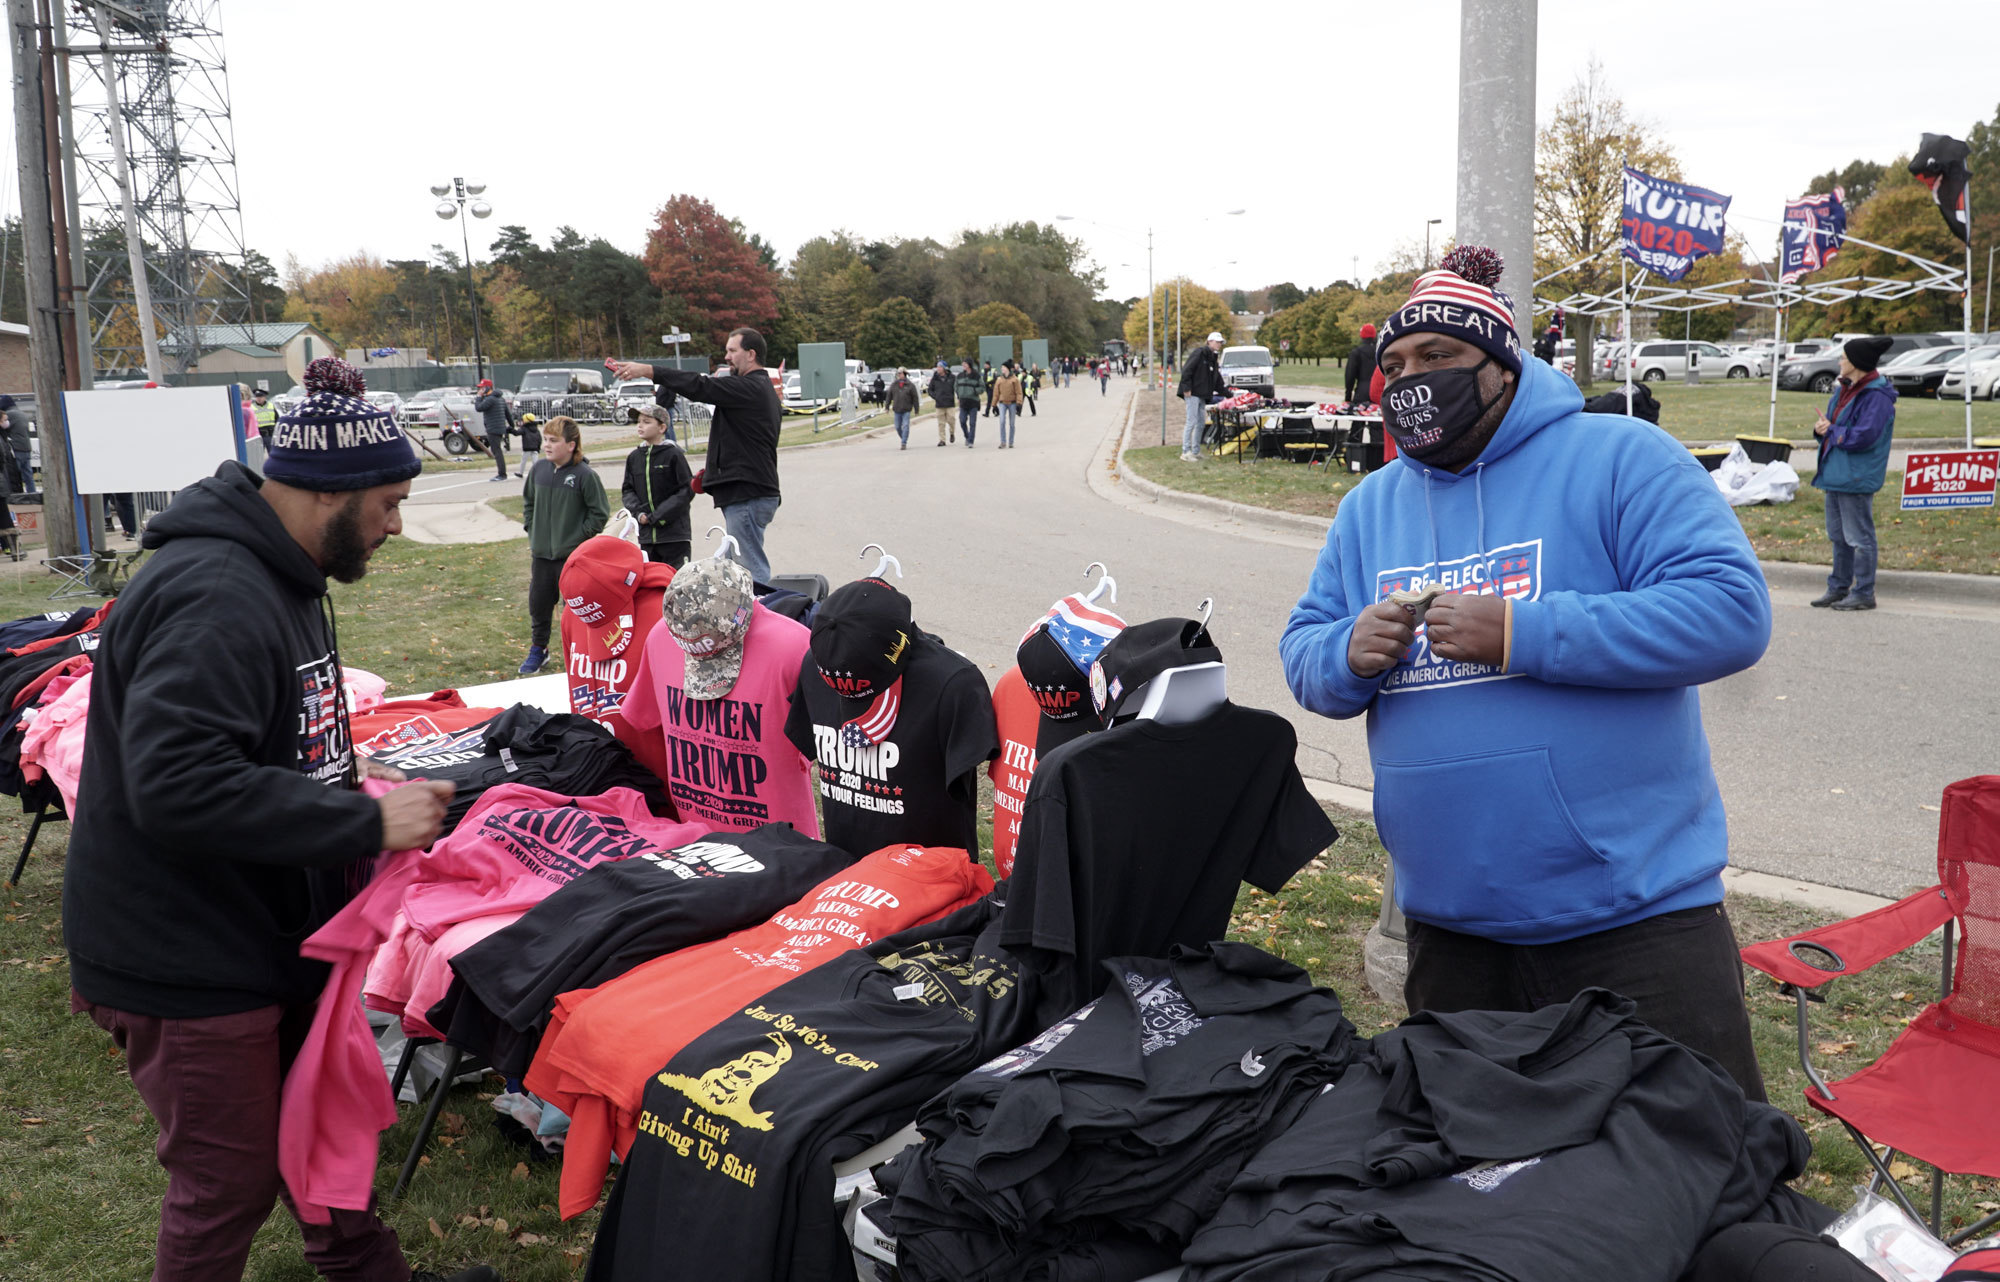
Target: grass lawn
<point>1963,542</point>
<point>1723,410</point>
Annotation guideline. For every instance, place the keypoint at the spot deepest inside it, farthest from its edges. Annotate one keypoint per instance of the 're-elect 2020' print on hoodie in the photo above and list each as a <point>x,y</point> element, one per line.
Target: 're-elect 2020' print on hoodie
<point>1570,792</point>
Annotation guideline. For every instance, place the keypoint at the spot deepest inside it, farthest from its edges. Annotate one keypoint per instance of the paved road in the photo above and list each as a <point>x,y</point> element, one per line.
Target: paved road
<point>1828,751</point>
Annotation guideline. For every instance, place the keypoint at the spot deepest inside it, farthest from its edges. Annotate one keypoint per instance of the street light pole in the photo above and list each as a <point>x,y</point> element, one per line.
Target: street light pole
<point>1986,325</point>
<point>458,191</point>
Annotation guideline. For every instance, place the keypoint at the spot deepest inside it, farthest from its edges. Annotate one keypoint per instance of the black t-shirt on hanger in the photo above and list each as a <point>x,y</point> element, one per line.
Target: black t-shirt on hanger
<point>1136,838</point>
<point>918,785</point>
<point>615,916</point>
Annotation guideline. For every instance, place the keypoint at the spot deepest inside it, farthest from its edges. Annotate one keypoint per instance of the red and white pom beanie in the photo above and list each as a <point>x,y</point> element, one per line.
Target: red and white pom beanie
<point>1460,298</point>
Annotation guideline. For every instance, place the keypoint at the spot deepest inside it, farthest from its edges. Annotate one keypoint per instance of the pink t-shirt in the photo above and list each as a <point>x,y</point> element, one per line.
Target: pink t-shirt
<point>53,741</point>
<point>515,848</point>
<point>729,764</point>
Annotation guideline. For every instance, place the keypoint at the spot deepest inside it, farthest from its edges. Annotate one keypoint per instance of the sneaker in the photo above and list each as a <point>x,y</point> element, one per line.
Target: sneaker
<point>477,1273</point>
<point>537,656</point>
<point>1827,598</point>
<point>1855,602</point>
<point>940,444</point>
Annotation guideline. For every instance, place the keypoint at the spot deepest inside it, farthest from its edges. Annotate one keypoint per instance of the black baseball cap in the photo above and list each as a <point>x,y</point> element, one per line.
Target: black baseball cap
<point>1061,691</point>
<point>1140,653</point>
<point>861,638</point>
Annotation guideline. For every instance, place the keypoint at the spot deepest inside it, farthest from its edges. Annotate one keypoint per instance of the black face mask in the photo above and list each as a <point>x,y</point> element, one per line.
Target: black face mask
<point>1428,414</point>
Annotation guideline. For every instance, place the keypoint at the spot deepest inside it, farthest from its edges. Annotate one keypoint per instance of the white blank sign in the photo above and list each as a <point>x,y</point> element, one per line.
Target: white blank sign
<point>148,438</point>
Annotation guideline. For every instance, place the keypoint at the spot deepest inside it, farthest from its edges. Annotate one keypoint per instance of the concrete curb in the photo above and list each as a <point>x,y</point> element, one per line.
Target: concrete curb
<point>1788,576</point>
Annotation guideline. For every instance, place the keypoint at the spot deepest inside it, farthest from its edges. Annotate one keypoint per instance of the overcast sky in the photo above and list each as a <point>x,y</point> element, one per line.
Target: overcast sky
<point>1332,125</point>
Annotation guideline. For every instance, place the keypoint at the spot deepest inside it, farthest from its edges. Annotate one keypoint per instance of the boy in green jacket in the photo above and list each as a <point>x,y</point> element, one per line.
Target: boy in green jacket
<point>562,504</point>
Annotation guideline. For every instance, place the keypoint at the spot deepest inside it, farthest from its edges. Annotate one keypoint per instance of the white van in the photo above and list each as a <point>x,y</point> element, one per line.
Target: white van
<point>1250,369</point>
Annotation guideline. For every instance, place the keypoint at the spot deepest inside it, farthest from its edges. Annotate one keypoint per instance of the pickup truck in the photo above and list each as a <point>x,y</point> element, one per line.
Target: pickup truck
<point>576,390</point>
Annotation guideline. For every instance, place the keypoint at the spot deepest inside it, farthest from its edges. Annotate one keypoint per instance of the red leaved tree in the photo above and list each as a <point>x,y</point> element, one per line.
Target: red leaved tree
<point>693,254</point>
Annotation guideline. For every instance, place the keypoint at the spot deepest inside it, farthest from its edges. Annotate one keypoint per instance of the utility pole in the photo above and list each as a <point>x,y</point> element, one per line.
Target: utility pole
<point>142,289</point>
<point>38,254</point>
<point>1496,140</point>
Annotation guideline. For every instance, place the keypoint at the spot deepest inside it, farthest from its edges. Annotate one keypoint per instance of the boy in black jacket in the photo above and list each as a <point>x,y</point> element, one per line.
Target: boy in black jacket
<point>657,490</point>
<point>225,821</point>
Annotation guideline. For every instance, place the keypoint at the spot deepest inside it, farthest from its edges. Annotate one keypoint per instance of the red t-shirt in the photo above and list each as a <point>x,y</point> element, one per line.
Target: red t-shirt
<point>410,723</point>
<point>1020,721</point>
<point>604,1043</point>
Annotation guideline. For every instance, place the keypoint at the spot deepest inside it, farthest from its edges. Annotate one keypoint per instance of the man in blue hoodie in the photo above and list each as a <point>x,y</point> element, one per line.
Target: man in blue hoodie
<point>1542,781</point>
<point>1854,434</point>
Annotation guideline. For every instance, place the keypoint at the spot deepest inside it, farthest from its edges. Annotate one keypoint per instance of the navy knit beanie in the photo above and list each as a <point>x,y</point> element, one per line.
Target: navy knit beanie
<point>335,441</point>
<point>1462,299</point>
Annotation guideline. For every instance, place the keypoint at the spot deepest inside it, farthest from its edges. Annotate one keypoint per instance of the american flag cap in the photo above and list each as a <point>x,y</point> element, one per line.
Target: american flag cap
<point>1058,650</point>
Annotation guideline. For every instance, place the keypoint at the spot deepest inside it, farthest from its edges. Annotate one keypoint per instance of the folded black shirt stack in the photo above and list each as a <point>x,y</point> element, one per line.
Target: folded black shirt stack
<point>1573,1142</point>
<point>555,751</point>
<point>730,1178</point>
<point>1115,1134</point>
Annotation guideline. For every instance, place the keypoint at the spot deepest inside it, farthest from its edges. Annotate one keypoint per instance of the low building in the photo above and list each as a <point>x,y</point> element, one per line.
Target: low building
<point>258,351</point>
<point>15,373</point>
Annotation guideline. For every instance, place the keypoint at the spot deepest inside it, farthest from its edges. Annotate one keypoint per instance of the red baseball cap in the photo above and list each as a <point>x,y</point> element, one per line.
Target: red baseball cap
<point>600,586</point>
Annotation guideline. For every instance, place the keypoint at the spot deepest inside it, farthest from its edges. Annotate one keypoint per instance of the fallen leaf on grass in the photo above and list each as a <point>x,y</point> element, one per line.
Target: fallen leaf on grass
<point>453,1123</point>
<point>530,1239</point>
<point>1902,1170</point>
<point>520,1171</point>
<point>1833,1048</point>
<point>31,1121</point>
<point>436,1232</point>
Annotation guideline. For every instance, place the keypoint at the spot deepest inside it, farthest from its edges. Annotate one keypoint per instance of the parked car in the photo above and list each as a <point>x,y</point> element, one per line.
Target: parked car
<point>385,400</point>
<point>1922,371</point>
<point>1985,377</point>
<point>575,390</point>
<point>792,393</point>
<point>1250,369</point>
<point>1819,372</point>
<point>1748,362</point>
<point>1654,361</point>
<point>629,395</point>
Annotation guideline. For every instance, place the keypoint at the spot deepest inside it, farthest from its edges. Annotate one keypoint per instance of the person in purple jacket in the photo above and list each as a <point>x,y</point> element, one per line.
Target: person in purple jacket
<point>1854,435</point>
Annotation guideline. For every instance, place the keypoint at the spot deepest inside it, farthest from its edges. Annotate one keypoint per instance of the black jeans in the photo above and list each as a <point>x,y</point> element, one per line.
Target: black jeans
<point>1680,968</point>
<point>497,446</point>
<point>543,574</point>
<point>672,552</point>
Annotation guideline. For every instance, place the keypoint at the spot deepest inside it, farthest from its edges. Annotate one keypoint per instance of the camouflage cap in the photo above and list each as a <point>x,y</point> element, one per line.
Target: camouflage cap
<point>707,612</point>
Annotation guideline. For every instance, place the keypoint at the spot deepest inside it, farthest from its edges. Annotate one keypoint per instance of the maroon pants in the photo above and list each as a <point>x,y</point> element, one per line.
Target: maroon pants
<point>212,1084</point>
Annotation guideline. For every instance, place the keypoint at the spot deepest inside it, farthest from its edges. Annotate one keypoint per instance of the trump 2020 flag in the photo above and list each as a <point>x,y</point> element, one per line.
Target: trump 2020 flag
<point>1815,227</point>
<point>1667,225</point>
<point>1940,165</point>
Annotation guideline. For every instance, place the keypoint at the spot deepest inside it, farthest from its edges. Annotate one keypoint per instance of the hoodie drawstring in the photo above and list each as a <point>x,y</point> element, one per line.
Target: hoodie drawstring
<point>1479,527</point>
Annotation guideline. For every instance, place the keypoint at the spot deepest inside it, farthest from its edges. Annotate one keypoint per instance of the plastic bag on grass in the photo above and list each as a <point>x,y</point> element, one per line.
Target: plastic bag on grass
<point>1744,483</point>
<point>1875,1231</point>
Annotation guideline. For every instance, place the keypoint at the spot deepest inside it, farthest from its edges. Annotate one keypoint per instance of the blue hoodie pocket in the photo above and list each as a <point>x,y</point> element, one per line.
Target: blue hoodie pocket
<point>1486,840</point>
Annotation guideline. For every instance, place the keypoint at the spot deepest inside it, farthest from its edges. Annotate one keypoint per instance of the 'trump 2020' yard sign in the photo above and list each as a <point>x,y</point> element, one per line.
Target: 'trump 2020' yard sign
<point>1950,478</point>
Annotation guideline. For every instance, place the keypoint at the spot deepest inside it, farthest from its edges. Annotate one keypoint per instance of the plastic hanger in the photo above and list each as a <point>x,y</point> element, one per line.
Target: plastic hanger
<point>887,562</point>
<point>728,544</point>
<point>1180,695</point>
<point>1105,583</point>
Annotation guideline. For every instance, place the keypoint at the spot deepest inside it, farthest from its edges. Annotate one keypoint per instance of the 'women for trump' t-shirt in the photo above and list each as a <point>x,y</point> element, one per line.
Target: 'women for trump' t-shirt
<point>729,763</point>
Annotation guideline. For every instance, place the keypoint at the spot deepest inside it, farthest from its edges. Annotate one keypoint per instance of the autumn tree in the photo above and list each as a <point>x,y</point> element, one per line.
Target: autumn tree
<point>695,255</point>
<point>831,286</point>
<point>993,318</point>
<point>1580,195</point>
<point>1858,181</point>
<point>1902,214</point>
<point>897,333</point>
<point>1199,312</point>
<point>1033,267</point>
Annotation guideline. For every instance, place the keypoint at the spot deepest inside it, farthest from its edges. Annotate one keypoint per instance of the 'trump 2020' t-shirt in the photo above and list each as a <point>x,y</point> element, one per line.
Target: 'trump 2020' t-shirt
<point>728,761</point>
<point>604,1043</point>
<point>917,785</point>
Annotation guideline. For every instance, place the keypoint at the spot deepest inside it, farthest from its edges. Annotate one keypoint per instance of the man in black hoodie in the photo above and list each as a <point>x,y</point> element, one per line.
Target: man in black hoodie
<point>1361,367</point>
<point>496,419</point>
<point>741,474</point>
<point>225,821</point>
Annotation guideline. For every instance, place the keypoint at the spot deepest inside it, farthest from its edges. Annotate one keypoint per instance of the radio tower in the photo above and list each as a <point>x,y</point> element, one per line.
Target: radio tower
<point>181,151</point>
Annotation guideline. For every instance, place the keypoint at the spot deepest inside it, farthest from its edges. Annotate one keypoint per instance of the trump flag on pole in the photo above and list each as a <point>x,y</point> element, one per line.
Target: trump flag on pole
<point>1950,478</point>
<point>1815,226</point>
<point>1667,225</point>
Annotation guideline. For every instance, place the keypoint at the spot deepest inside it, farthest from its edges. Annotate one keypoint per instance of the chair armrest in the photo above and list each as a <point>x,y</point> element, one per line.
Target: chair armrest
<point>1852,946</point>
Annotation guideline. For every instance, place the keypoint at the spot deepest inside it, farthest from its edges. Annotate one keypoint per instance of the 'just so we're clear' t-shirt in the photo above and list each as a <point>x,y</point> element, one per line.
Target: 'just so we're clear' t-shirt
<point>729,764</point>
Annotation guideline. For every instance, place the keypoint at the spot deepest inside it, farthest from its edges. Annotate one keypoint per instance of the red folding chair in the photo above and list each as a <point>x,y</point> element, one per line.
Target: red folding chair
<point>1932,1095</point>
